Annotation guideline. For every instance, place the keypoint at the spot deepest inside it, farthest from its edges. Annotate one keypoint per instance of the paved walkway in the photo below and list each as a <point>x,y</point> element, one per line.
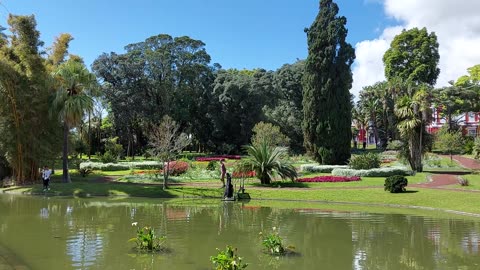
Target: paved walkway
<point>468,163</point>
<point>443,180</point>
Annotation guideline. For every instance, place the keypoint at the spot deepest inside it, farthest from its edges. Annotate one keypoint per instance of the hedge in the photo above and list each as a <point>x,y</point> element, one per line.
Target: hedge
<point>313,168</point>
<point>143,165</point>
<point>378,172</point>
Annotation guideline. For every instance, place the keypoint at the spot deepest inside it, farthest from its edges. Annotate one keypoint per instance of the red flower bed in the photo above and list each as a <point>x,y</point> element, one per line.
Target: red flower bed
<point>329,178</point>
<point>176,167</point>
<point>244,174</point>
<point>217,158</point>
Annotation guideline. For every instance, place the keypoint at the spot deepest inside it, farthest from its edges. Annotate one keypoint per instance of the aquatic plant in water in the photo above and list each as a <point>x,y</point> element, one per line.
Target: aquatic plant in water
<point>273,243</point>
<point>147,240</point>
<point>228,260</point>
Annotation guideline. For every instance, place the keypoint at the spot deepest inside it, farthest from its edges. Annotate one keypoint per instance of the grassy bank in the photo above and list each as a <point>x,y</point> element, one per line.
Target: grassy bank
<point>369,191</point>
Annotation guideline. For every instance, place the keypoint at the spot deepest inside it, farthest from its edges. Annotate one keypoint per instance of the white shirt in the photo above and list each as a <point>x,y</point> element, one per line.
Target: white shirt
<point>46,174</point>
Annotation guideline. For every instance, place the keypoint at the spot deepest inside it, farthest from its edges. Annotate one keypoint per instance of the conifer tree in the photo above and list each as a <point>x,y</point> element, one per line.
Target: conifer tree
<point>326,82</point>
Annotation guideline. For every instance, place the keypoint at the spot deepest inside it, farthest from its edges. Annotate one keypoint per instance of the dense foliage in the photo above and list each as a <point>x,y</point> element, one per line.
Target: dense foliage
<point>365,161</point>
<point>327,81</point>
<point>396,184</point>
<point>228,260</point>
<point>25,91</point>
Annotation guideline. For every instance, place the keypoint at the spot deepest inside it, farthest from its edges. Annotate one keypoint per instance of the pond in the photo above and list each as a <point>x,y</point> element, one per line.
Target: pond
<point>66,233</point>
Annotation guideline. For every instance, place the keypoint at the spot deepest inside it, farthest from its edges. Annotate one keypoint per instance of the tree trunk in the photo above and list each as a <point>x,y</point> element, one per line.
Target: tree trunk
<point>66,176</point>
<point>89,136</point>
<point>415,153</point>
<point>165,174</point>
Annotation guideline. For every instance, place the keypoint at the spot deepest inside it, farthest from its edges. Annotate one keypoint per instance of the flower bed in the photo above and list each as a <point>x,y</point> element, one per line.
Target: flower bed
<point>217,158</point>
<point>329,178</point>
<point>244,174</point>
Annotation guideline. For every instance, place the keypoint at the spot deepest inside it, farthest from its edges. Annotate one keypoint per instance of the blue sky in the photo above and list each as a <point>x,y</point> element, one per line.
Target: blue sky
<point>238,34</point>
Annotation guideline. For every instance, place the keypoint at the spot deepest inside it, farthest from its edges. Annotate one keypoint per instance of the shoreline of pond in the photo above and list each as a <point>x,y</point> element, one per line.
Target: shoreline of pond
<point>259,194</point>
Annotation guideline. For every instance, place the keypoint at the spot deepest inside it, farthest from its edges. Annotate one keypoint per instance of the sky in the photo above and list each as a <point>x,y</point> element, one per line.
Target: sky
<point>259,33</point>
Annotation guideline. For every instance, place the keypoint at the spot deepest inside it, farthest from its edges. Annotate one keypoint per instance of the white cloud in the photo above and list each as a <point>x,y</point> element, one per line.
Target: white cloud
<point>456,24</point>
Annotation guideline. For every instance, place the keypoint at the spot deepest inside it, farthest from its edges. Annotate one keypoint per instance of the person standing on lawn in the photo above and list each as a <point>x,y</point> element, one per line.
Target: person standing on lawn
<point>46,173</point>
<point>223,171</point>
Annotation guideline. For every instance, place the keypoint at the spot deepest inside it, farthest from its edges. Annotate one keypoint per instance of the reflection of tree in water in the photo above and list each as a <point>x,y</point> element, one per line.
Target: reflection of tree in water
<point>96,231</point>
<point>84,247</point>
<point>411,242</point>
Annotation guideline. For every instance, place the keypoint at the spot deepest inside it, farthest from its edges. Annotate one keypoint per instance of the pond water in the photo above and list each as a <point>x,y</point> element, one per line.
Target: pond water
<point>61,233</point>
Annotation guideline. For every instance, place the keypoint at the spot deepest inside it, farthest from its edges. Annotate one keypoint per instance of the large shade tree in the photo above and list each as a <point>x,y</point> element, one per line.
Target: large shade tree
<point>71,100</point>
<point>327,81</point>
<point>412,62</point>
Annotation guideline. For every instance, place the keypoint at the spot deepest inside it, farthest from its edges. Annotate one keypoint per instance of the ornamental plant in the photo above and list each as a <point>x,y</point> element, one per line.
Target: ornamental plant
<point>329,178</point>
<point>147,240</point>
<point>396,183</point>
<point>365,161</point>
<point>228,260</point>
<point>273,243</point>
<point>176,168</point>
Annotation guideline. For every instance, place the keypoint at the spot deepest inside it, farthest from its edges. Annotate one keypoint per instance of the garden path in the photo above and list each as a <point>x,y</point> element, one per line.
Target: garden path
<point>442,180</point>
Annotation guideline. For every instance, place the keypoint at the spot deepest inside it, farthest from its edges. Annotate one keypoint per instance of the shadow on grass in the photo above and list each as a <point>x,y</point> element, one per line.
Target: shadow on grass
<point>283,185</point>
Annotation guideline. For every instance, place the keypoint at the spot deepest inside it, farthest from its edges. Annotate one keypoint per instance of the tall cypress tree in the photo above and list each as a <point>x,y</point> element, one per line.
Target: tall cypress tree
<point>326,82</point>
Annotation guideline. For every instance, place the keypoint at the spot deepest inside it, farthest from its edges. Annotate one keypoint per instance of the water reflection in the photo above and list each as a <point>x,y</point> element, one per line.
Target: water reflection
<point>93,233</point>
<point>84,247</point>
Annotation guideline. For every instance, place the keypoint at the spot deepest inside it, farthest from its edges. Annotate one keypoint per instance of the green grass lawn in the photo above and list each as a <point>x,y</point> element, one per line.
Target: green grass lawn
<point>473,182</point>
<point>439,199</point>
<point>325,192</point>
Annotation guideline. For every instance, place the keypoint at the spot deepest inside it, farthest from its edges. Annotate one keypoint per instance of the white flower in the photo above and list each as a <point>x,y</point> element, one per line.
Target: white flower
<point>134,223</point>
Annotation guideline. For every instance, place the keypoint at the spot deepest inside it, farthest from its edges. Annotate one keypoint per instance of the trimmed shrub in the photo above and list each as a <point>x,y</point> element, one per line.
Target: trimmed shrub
<point>365,161</point>
<point>395,183</point>
<point>122,166</point>
<point>378,172</point>
<point>176,168</point>
<point>313,168</point>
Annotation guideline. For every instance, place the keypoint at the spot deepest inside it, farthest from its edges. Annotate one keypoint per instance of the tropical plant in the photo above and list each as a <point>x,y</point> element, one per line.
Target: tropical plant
<point>395,183</point>
<point>147,240</point>
<point>267,161</point>
<point>71,100</point>
<point>228,260</point>
<point>412,111</point>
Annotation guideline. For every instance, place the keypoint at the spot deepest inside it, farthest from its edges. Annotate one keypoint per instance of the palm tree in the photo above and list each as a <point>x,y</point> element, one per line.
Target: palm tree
<point>412,111</point>
<point>267,161</point>
<point>71,100</point>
